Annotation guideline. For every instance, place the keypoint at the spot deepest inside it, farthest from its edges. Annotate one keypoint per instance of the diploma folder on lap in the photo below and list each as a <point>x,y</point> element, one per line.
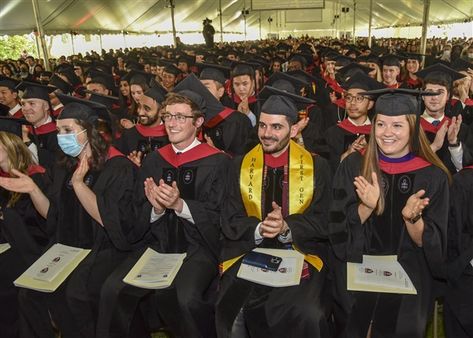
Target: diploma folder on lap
<point>52,268</point>
<point>288,273</point>
<point>379,274</point>
<point>154,270</point>
<point>4,247</point>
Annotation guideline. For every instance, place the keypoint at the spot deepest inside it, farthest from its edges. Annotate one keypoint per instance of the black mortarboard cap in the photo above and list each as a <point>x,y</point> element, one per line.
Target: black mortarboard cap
<point>299,58</point>
<point>461,65</point>
<point>132,64</point>
<point>283,47</point>
<point>135,76</point>
<point>172,69</point>
<point>319,91</point>
<point>59,83</point>
<point>286,82</point>
<point>391,60</point>
<point>8,82</point>
<point>439,71</point>
<point>413,56</point>
<point>353,68</point>
<point>400,101</point>
<point>33,90</point>
<point>331,56</point>
<point>80,109</point>
<point>243,68</point>
<point>157,93</point>
<point>107,100</point>
<point>362,81</point>
<point>192,84</point>
<point>189,59</point>
<point>280,102</point>
<point>210,71</point>
<point>12,125</point>
<point>68,71</point>
<point>103,78</point>
<point>342,61</point>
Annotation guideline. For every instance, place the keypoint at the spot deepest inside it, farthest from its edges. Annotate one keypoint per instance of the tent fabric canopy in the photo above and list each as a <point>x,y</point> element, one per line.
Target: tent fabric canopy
<point>149,16</point>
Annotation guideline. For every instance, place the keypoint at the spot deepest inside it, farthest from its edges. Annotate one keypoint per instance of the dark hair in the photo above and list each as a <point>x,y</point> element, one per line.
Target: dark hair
<point>98,145</point>
<point>439,81</point>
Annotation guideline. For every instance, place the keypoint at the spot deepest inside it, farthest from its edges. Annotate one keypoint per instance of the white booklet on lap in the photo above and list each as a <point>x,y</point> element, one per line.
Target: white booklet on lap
<point>288,273</point>
<point>52,268</point>
<point>379,274</point>
<point>154,270</point>
<point>4,247</point>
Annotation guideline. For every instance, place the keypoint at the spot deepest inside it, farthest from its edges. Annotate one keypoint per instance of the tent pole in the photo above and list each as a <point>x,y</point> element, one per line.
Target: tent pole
<point>370,23</point>
<point>100,40</point>
<point>354,21</point>
<point>425,24</point>
<point>42,41</point>
<point>36,39</point>
<point>171,2</point>
<point>221,20</point>
<point>72,43</point>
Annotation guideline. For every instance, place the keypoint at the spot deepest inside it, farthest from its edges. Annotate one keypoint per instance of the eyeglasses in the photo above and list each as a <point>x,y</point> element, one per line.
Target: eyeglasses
<point>357,99</point>
<point>180,118</point>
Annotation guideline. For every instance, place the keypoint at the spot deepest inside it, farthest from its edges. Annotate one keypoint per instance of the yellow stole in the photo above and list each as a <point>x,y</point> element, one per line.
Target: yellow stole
<point>301,188</point>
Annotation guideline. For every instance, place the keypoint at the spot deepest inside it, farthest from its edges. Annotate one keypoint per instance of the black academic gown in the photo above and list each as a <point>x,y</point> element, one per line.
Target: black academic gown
<point>229,131</point>
<point>48,148</point>
<point>339,137</point>
<point>395,315</point>
<point>296,311</point>
<point>187,307</point>
<point>25,230</point>
<point>74,305</point>
<point>465,136</point>
<point>142,138</point>
<point>458,300</point>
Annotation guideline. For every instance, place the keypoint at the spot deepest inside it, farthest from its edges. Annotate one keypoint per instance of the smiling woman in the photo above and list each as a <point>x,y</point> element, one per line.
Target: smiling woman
<point>398,207</point>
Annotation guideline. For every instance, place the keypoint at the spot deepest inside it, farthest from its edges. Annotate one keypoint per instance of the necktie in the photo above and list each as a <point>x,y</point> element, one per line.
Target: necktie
<point>435,123</point>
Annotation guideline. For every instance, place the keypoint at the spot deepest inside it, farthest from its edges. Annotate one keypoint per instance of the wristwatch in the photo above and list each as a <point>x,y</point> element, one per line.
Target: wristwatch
<point>415,218</point>
<point>454,145</point>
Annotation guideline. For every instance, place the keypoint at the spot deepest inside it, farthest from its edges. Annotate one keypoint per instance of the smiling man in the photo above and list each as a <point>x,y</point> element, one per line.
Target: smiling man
<point>149,133</point>
<point>263,213</point>
<point>36,109</point>
<point>178,212</point>
<point>450,139</point>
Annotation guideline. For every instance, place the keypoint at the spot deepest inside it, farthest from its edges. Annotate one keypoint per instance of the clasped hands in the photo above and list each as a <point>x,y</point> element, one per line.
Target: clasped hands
<point>163,196</point>
<point>274,224</point>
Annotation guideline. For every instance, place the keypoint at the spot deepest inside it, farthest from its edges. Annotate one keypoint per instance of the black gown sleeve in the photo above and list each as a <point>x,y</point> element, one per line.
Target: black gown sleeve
<point>115,201</point>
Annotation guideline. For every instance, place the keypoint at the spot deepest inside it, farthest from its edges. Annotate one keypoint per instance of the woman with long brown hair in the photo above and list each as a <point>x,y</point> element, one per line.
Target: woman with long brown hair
<point>391,201</point>
<point>22,228</point>
<point>88,206</point>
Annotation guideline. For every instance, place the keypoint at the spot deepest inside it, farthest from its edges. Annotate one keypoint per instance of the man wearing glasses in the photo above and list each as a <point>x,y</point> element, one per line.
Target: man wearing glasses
<point>178,211</point>
<point>351,134</point>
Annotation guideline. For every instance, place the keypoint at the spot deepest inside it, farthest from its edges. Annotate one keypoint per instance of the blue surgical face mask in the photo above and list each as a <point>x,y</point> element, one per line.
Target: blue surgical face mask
<point>69,144</point>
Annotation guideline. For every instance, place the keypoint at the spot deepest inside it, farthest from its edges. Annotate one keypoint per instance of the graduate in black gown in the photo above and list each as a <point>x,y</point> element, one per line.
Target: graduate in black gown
<point>36,109</point>
<point>88,206</point>
<point>228,129</point>
<point>21,226</point>
<point>450,139</point>
<point>351,134</point>
<point>179,195</point>
<point>272,206</point>
<point>458,297</point>
<point>149,133</point>
<point>393,200</point>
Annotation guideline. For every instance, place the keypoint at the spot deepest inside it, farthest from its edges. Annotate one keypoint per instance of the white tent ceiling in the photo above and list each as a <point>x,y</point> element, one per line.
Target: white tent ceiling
<point>147,16</point>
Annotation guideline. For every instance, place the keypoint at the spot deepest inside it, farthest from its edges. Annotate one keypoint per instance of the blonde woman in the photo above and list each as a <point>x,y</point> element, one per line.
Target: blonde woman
<point>21,226</point>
